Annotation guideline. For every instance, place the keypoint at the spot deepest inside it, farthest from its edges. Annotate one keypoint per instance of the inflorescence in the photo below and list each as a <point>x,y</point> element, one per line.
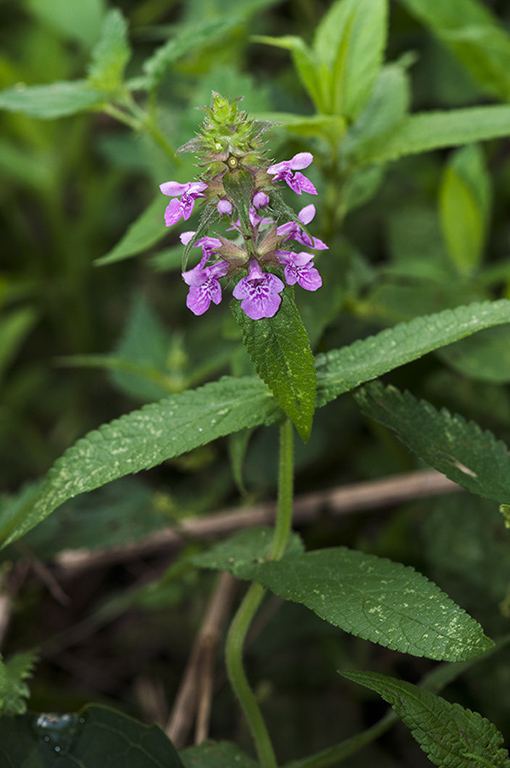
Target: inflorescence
<point>238,185</point>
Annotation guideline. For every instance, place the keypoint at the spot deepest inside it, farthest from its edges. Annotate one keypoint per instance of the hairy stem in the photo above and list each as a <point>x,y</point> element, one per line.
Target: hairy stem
<point>252,600</point>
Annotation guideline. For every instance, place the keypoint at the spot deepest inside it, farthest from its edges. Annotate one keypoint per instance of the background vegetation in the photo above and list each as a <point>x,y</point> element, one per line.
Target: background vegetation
<point>93,324</point>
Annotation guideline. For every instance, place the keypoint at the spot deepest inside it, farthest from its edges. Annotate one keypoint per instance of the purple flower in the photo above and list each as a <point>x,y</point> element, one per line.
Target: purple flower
<point>292,231</point>
<point>288,171</point>
<point>259,292</point>
<point>183,208</point>
<point>299,269</point>
<point>224,206</point>
<point>203,283</point>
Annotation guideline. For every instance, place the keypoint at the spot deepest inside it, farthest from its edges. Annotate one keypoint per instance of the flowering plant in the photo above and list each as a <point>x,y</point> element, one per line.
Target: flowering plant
<point>240,185</point>
<point>249,239</point>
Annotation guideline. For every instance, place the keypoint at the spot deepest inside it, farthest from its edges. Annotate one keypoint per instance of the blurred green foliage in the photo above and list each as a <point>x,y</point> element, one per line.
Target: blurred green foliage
<point>412,165</point>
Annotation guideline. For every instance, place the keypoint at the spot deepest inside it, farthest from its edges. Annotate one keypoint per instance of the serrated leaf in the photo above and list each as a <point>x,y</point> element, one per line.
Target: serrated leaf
<point>95,736</point>
<point>426,131</point>
<point>349,43</point>
<point>13,689</point>
<point>449,734</point>
<point>111,53</point>
<point>459,449</point>
<point>240,553</point>
<point>464,207</point>
<point>144,232</point>
<point>48,102</point>
<point>474,36</point>
<point>341,370</point>
<point>141,440</point>
<point>280,351</point>
<point>216,754</point>
<point>375,599</point>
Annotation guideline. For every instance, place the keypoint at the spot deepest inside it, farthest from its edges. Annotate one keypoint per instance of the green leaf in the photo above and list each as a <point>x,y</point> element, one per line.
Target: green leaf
<point>95,736</point>
<point>373,598</point>
<point>280,351</point>
<point>216,754</point>
<point>110,54</point>
<point>306,64</point>
<point>459,449</point>
<point>187,39</point>
<point>146,344</point>
<point>141,440</point>
<point>474,36</point>
<point>13,689</point>
<point>14,328</point>
<point>384,112</point>
<point>240,553</point>
<point>483,357</point>
<point>75,21</point>
<point>426,131</point>
<point>308,125</point>
<point>344,369</point>
<point>464,199</point>
<point>449,734</point>
<point>148,229</point>
<point>48,102</point>
<point>349,43</point>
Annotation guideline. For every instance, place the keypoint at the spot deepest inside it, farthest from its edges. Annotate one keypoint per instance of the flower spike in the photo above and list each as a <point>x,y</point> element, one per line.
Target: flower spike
<point>237,182</point>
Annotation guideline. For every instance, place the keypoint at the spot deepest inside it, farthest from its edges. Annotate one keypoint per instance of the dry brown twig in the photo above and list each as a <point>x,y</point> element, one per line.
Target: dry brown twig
<point>195,692</point>
<point>359,497</point>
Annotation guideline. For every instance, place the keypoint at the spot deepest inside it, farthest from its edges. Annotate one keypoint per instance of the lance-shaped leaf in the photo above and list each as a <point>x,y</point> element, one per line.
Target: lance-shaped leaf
<point>111,53</point>
<point>280,351</point>
<point>51,101</point>
<point>141,440</point>
<point>449,734</point>
<point>459,449</point>
<point>145,231</point>
<point>435,130</point>
<point>368,596</point>
<point>341,370</point>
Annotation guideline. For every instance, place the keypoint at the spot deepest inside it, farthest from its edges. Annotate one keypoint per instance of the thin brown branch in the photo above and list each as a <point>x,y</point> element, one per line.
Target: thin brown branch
<point>195,692</point>
<point>359,497</point>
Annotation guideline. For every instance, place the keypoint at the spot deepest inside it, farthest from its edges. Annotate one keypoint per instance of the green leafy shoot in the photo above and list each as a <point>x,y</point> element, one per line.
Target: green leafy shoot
<point>111,53</point>
<point>341,370</point>
<point>141,440</point>
<point>14,690</point>
<point>367,596</point>
<point>459,449</point>
<point>280,351</point>
<point>449,734</point>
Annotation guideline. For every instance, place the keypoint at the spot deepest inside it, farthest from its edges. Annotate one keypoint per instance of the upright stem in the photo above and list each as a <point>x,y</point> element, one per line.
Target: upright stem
<point>251,602</point>
<point>285,491</point>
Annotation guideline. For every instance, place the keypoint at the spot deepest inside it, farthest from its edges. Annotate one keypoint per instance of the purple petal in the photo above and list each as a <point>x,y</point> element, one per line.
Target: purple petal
<point>301,160</point>
<point>307,214</point>
<point>173,188</point>
<point>301,184</point>
<point>260,199</point>
<point>173,212</point>
<point>185,237</point>
<point>282,167</point>
<point>224,206</point>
